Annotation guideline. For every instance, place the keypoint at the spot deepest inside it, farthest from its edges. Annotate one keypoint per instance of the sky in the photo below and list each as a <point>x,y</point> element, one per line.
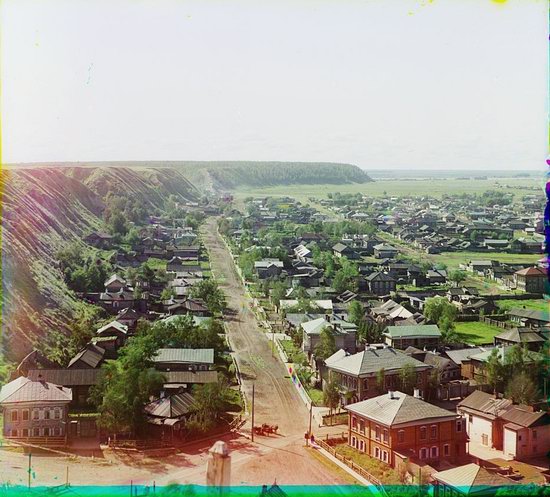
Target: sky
<point>383,84</point>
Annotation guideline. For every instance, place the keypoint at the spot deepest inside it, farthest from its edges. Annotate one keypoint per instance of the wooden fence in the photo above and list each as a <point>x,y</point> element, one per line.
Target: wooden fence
<point>350,464</point>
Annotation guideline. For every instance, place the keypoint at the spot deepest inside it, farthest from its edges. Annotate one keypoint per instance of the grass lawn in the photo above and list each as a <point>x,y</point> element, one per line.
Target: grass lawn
<point>375,467</point>
<point>290,349</point>
<point>534,304</point>
<point>155,263</point>
<point>453,259</point>
<point>477,333</point>
<point>316,395</point>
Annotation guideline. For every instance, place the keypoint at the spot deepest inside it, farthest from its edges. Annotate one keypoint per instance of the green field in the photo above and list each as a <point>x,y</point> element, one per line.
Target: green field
<point>477,333</point>
<point>396,187</point>
<point>534,304</point>
<point>453,259</point>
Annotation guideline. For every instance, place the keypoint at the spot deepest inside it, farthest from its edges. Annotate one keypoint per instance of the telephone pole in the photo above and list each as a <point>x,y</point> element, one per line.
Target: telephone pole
<point>30,469</point>
<point>252,430</point>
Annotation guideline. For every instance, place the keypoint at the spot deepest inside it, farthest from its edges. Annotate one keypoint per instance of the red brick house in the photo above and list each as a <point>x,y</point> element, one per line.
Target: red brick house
<point>396,426</point>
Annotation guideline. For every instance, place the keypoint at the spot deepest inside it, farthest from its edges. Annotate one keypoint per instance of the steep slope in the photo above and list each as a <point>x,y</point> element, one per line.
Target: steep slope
<point>43,210</point>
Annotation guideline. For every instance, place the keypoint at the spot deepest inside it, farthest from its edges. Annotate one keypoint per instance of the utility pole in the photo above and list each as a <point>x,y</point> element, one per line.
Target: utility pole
<point>67,476</point>
<point>30,469</point>
<point>310,416</point>
<point>252,431</point>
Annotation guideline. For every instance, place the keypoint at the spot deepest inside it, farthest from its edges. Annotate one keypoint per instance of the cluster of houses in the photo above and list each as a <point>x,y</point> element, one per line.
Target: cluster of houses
<point>50,405</point>
<point>395,427</point>
<point>451,224</point>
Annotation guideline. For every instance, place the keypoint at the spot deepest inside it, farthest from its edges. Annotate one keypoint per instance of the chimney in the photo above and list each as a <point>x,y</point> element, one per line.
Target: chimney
<point>417,393</point>
<point>390,394</point>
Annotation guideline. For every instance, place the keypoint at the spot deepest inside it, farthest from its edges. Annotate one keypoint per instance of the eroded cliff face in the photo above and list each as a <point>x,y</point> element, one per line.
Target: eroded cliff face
<point>45,208</point>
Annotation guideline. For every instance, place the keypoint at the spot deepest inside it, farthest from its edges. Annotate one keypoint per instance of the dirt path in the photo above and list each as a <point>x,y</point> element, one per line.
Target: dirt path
<point>276,399</point>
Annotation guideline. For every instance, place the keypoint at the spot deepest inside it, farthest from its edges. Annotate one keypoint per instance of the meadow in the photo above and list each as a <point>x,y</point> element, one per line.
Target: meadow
<point>477,333</point>
<point>400,187</point>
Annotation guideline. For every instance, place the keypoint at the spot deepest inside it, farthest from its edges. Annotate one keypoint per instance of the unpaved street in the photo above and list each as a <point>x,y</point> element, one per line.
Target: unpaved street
<point>280,457</point>
<point>276,399</point>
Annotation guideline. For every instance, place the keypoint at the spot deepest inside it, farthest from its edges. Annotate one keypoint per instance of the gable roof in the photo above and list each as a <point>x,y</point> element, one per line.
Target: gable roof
<point>371,361</point>
<point>122,328</point>
<point>202,356</point>
<point>25,390</point>
<point>398,408</point>
<point>115,277</point>
<point>91,355</point>
<point>485,403</point>
<point>67,377</point>
<point>520,335</point>
<point>173,406</point>
<point>421,330</point>
<point>460,355</point>
<point>532,271</point>
<point>530,314</point>
<point>524,418</point>
<point>471,478</point>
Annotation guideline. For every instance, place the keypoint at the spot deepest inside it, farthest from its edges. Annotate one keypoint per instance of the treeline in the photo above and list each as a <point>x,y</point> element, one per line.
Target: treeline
<point>232,175</point>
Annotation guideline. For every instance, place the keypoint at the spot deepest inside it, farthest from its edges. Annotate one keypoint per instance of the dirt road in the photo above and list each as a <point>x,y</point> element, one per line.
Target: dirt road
<point>276,399</point>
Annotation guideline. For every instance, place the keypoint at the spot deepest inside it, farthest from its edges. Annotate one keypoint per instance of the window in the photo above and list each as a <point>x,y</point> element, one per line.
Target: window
<point>434,452</point>
<point>36,432</point>
<point>459,425</point>
<point>353,441</point>
<point>377,432</point>
<point>25,432</point>
<point>485,439</point>
<point>519,438</point>
<point>361,426</point>
<point>14,433</point>
<point>46,414</point>
<point>57,413</point>
<point>353,422</point>
<point>14,415</point>
<point>362,446</point>
<point>423,453</point>
<point>385,456</point>
<point>46,432</point>
<point>446,450</point>
<point>422,433</point>
<point>35,414</point>
<point>401,436</point>
<point>366,384</point>
<point>25,414</point>
<point>433,431</point>
<point>377,453</point>
<point>385,434</point>
<point>470,418</point>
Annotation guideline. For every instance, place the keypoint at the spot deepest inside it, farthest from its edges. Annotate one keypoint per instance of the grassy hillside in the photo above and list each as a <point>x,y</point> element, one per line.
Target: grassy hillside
<point>44,209</point>
<point>228,175</point>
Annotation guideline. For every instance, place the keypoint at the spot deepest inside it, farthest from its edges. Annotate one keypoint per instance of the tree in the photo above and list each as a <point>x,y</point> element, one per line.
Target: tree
<point>210,401</point>
<point>381,380</point>
<point>356,312</point>
<point>346,277</point>
<point>146,273</point>
<point>278,292</point>
<point>457,276</point>
<point>522,389</point>
<point>331,394</point>
<point>124,388</point>
<point>434,380</point>
<point>407,376</point>
<point>167,294</point>
<point>209,291</point>
<point>494,370</point>
<point>438,307</point>
<point>117,224</point>
<point>327,344</point>
<point>448,331</point>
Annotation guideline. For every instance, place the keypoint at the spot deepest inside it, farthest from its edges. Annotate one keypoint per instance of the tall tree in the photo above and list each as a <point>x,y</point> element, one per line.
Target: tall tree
<point>494,370</point>
<point>331,394</point>
<point>327,344</point>
<point>522,389</point>
<point>407,376</point>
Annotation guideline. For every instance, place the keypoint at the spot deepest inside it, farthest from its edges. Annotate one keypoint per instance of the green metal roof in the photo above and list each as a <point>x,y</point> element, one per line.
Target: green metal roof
<point>421,330</point>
